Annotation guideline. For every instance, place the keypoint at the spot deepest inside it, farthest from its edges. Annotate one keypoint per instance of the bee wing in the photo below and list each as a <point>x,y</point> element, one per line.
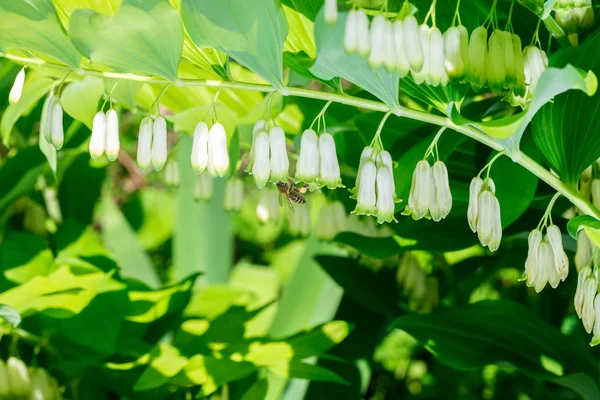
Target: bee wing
<point>280,201</point>
<point>290,204</point>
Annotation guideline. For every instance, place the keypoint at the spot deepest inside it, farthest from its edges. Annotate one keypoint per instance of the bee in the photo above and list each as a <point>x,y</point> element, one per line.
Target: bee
<point>291,193</point>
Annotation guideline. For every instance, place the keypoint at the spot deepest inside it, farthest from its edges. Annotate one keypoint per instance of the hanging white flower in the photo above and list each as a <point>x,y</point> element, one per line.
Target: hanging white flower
<point>582,276</point>
<point>378,41</point>
<point>561,260</point>
<point>363,39</point>
<point>261,169</point>
<point>420,191</point>
<point>234,195</point>
<point>307,167</point>
<point>585,249</point>
<point>144,149</point>
<point>48,125</point>
<point>532,265</point>
<point>172,176</point>
<point>331,12</point>
<point>98,138</point>
<point>588,313</point>
<point>199,156</point>
<point>472,211</point>
<point>412,43</point>
<point>17,88</point>
<point>441,200</point>
<point>280,163</point>
<point>260,126</point>
<point>422,75</point>
<point>385,195</point>
<point>159,143</point>
<point>204,189</point>
<point>402,66</point>
<point>57,134</point>
<point>389,58</point>
<point>350,32</point>
<point>113,144</point>
<point>268,209</point>
<point>218,157</point>
<point>478,54</point>
<point>366,203</point>
<point>329,168</point>
<point>436,57</point>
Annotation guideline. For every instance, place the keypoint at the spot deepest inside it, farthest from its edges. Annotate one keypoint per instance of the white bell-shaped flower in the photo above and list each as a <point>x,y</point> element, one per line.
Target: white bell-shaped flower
<point>494,243</point>
<point>299,223</point>
<point>48,124</point>
<point>454,63</point>
<point>268,209</point>
<point>20,381</point>
<point>261,169</point>
<point>519,86</point>
<point>350,32</point>
<point>363,38</point>
<point>331,12</point>
<point>367,196</point>
<point>585,273</point>
<point>325,228</point>
<point>532,265</point>
<point>144,149</point>
<point>389,57</point>
<point>329,168</point>
<point>307,167</point>
<point>204,188</point>
<point>385,195</point>
<point>485,217</point>
<point>402,66</point>
<point>17,88</point>
<point>422,75</point>
<point>384,159</point>
<point>473,209</point>
<point>260,126</point>
<point>588,313</point>
<point>159,143</point>
<point>57,134</point>
<point>218,157</point>
<point>596,330</point>
<point>172,177</point>
<point>378,41</point>
<point>98,138</point>
<point>414,49</point>
<point>280,163</point>
<point>113,145</point>
<point>441,201</point>
<point>234,195</point>
<point>368,154</point>
<point>560,257</point>
<point>478,54</point>
<point>496,67</point>
<point>584,252</point>
<point>436,57</point>
<point>420,191</point>
<point>199,156</point>
<point>536,62</point>
<point>509,59</point>
<point>547,261</point>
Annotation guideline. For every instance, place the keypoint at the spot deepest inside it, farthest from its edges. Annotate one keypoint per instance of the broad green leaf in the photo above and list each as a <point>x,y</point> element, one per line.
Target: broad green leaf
<point>333,61</point>
<point>123,91</point>
<point>142,37</point>
<point>23,256</point>
<point>590,224</point>
<point>36,87</point>
<point>258,391</point>
<point>46,147</point>
<point>300,37</point>
<point>33,25</point>
<point>378,248</point>
<point>120,239</point>
<point>250,31</point>
<point>492,332</point>
<point>309,8</point>
<point>580,383</point>
<point>10,315</point>
<point>567,130</point>
<point>439,97</point>
<point>64,8</point>
<point>157,209</point>
<point>150,305</point>
<point>165,363</point>
<point>319,339</point>
<point>80,99</point>
<point>301,370</point>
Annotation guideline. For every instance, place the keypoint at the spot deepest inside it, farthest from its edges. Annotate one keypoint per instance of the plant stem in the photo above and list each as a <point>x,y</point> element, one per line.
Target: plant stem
<point>521,158</point>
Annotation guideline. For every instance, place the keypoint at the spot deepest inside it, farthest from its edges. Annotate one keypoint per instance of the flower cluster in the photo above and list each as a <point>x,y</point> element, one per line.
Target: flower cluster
<point>417,286</point>
<point>209,150</point>
<point>317,163</point>
<point>172,176</point>
<point>268,155</point>
<point>483,213</point>
<point>375,190</point>
<point>234,195</point>
<point>430,195</point>
<point>546,261</point>
<point>105,136</point>
<point>587,301</point>
<point>204,188</point>
<point>574,16</point>
<point>19,382</point>
<point>152,143</point>
<point>299,221</point>
<point>332,220</point>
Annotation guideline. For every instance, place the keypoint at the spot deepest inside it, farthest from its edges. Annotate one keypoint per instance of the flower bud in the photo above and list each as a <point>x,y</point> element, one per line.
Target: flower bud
<point>384,159</point>
<point>48,124</point>
<point>590,288</point>
<point>385,195</point>
<point>566,19</point>
<point>453,62</point>
<point>436,57</point>
<point>595,189</point>
<point>280,163</point>
<point>325,228</point>
<point>420,193</point>
<point>363,39</point>
<point>199,156</point>
<point>234,195</point>
<point>5,391</point>
<point>441,202</point>
<point>561,261</point>
<point>535,65</point>
<point>583,255</point>
<point>144,149</point>
<point>260,126</point>
<point>402,66</point>
<point>267,209</point>
<point>389,58</point>
<point>159,143</point>
<point>486,217</point>
<point>464,51</point>
<point>98,138</point>
<point>585,273</point>
<point>204,188</point>
<point>262,164</point>
<point>307,167</point>
<point>596,330</point>
<point>412,43</point>
<point>473,210</point>
<point>367,199</point>
<point>328,162</point>
<point>18,377</point>
<point>584,16</point>
<point>532,265</point>
<point>546,260</point>
<point>331,12</point>
<point>519,87</point>
<point>112,135</point>
<point>57,134</point>
<point>378,41</point>
<point>423,74</point>
<point>350,32</point>
<point>17,88</point>
<point>218,157</point>
<point>478,54</point>
<point>496,68</point>
<point>172,177</point>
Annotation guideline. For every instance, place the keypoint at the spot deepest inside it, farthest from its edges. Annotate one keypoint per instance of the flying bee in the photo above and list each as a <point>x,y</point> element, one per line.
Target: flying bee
<point>291,193</point>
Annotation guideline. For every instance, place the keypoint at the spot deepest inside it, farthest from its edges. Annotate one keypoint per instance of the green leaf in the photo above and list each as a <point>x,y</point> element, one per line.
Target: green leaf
<point>150,305</point>
<point>333,61</point>
<point>10,315</point>
<point>23,256</point>
<point>301,370</point>
<point>258,391</point>
<point>378,248</point>
<point>590,224</point>
<point>142,37</point>
<point>250,31</point>
<point>580,383</point>
<point>36,87</point>
<point>124,92</point>
<point>33,25</point>
<point>319,339</point>
<point>492,332</point>
<point>165,363</point>
<point>80,99</point>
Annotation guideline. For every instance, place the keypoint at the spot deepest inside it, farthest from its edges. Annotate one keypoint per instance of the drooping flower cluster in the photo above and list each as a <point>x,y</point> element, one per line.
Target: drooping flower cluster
<point>546,261</point>
<point>17,381</point>
<point>375,190</point>
<point>299,221</point>
<point>105,136</point>
<point>483,213</point>
<point>268,155</point>
<point>417,286</point>
<point>152,143</point>
<point>574,15</point>
<point>172,176</point>
<point>209,150</point>
<point>234,195</point>
<point>317,162</point>
<point>332,220</point>
<point>204,188</point>
<point>430,195</point>
<point>587,301</point>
